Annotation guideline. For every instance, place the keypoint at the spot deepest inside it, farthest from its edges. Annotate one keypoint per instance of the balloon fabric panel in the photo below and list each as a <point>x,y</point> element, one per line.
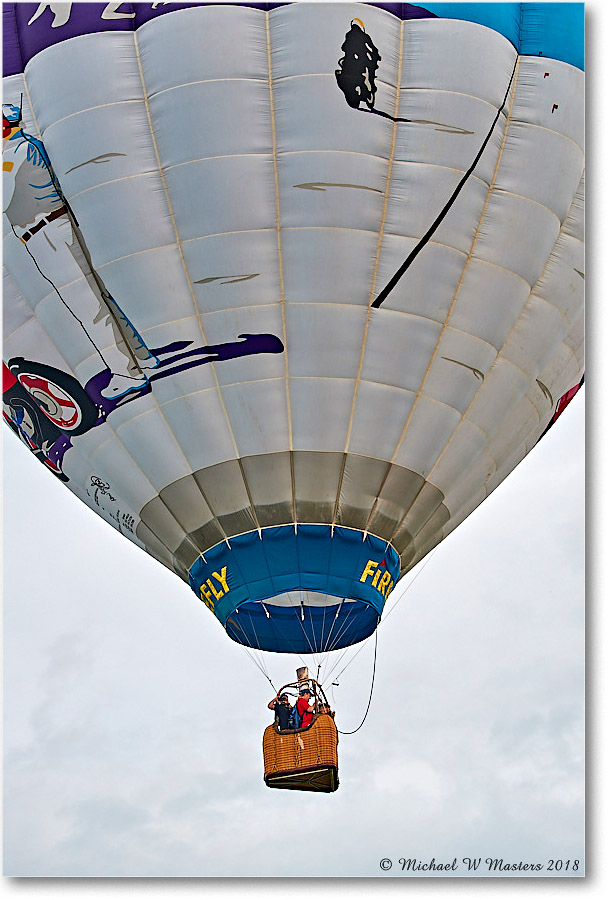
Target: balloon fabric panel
<point>290,289</point>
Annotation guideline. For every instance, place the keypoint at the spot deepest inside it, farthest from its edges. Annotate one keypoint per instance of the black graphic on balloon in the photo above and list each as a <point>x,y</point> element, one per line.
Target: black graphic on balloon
<point>46,407</point>
<point>24,416</point>
<point>60,397</point>
<point>356,76</point>
<point>446,208</point>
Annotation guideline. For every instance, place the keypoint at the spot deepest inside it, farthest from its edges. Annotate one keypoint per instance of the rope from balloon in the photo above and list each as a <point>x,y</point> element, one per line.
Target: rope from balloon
<point>327,646</point>
<point>376,644</point>
<point>369,702</point>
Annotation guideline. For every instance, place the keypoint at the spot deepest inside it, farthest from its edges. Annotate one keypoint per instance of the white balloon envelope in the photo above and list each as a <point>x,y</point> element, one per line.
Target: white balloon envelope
<point>290,289</point>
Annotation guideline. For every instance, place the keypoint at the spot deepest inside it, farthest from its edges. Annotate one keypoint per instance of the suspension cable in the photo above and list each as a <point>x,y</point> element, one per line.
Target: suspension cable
<point>383,620</point>
<point>325,651</point>
<point>369,702</point>
<point>399,599</point>
<point>258,666</point>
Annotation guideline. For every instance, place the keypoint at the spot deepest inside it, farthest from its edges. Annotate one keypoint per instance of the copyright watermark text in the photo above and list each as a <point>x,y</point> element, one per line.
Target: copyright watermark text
<point>475,864</point>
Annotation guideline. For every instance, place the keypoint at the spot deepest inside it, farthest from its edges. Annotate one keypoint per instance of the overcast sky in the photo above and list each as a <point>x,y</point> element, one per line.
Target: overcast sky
<point>133,725</point>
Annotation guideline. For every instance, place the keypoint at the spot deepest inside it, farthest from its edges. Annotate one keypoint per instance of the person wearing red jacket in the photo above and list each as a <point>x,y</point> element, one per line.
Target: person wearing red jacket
<point>305,710</point>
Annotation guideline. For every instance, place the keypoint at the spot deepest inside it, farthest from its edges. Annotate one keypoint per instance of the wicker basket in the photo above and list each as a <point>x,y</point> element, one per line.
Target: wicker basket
<point>302,760</point>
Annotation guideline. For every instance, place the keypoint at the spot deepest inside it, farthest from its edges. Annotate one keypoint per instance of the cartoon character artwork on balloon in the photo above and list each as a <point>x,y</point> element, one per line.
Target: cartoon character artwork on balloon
<point>286,311</point>
<point>41,219</point>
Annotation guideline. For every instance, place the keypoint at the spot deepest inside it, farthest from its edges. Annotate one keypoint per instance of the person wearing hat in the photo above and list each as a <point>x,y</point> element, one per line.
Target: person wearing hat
<point>304,709</point>
<point>282,710</point>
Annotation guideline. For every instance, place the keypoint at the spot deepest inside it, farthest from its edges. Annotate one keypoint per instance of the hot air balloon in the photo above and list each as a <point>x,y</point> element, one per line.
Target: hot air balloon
<point>289,289</point>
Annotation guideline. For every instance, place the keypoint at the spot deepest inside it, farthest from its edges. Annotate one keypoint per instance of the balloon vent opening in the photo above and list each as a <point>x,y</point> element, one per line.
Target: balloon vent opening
<point>288,590</point>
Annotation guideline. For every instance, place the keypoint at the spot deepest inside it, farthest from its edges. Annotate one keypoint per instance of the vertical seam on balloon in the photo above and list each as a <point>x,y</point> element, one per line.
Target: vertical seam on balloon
<point>85,252</point>
<point>542,299</point>
<point>280,254</point>
<point>178,241</point>
<point>388,180</point>
<point>89,459</point>
<point>54,289</point>
<point>32,111</point>
<point>512,86</point>
<point>481,219</point>
<point>375,272</point>
<point>188,279</point>
<point>512,446</point>
<point>250,498</point>
<point>447,318</point>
